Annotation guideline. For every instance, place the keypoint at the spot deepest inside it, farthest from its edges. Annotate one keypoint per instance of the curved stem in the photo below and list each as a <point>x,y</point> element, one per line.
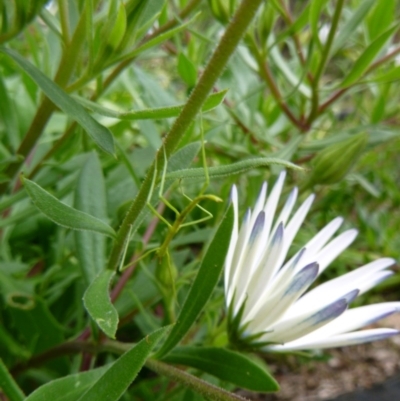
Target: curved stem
<point>209,391</point>
<point>234,32</point>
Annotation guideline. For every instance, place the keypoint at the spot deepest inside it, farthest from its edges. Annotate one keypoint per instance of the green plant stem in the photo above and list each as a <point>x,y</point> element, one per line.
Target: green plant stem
<point>64,19</point>
<point>324,59</point>
<point>266,75</point>
<point>207,390</point>
<point>285,12</point>
<point>53,149</point>
<point>234,32</point>
<point>46,108</point>
<point>8,384</point>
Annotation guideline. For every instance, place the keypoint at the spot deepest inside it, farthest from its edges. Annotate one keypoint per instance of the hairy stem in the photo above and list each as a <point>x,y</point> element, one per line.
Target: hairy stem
<point>234,32</point>
<point>209,391</point>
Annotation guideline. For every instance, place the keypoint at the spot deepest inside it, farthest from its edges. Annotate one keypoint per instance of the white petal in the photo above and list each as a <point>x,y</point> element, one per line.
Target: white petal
<point>287,273</point>
<point>234,237</point>
<point>257,291</point>
<point>335,248</point>
<point>275,307</point>
<point>272,202</point>
<point>356,337</point>
<point>250,259</point>
<point>318,241</point>
<point>296,221</point>
<point>238,254</point>
<point>299,326</point>
<point>260,199</point>
<point>364,278</point>
<point>314,303</point>
<point>354,319</point>
<point>287,209</point>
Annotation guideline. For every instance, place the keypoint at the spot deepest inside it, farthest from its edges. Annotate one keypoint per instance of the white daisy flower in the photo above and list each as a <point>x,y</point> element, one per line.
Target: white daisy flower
<point>267,294</point>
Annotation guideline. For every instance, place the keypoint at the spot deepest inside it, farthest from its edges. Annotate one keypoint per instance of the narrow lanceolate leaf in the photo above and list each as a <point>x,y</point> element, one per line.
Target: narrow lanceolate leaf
<point>63,214</point>
<point>150,114</point>
<point>351,25</point>
<point>204,283</point>
<point>68,388</point>
<point>366,58</point>
<point>114,382</point>
<point>8,385</point>
<point>155,41</point>
<point>230,169</point>
<point>98,304</point>
<point>101,135</point>
<point>227,365</point>
<point>90,197</point>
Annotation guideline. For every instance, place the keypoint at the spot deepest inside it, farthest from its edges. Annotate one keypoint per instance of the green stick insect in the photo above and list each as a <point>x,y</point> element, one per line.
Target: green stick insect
<point>165,274</point>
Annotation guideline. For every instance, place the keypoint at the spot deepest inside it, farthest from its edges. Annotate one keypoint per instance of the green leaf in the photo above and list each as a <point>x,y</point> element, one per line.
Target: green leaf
<point>35,323</point>
<point>204,283</point>
<point>381,17</point>
<point>183,157</point>
<point>351,25</point>
<point>97,302</point>
<point>389,76</point>
<point>114,382</point>
<point>212,102</point>
<point>101,135</point>
<point>8,385</point>
<point>153,42</point>
<point>62,214</point>
<point>67,388</point>
<point>8,116</point>
<point>187,70</point>
<point>10,346</point>
<point>230,169</point>
<point>90,197</point>
<point>231,366</point>
<point>118,28</point>
<point>316,8</point>
<point>286,71</point>
<point>364,61</point>
<point>148,11</point>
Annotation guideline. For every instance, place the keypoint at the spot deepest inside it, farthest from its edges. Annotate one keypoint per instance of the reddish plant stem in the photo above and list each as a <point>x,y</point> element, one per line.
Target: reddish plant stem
<point>267,75</point>
<point>371,68</point>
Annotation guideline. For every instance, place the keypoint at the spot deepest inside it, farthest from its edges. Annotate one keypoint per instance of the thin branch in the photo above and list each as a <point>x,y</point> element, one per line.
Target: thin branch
<point>322,64</point>
<point>214,68</point>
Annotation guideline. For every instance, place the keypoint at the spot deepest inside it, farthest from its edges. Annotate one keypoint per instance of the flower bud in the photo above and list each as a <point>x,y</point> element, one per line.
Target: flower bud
<point>333,163</point>
<point>221,10</point>
<point>119,27</point>
<point>265,22</point>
